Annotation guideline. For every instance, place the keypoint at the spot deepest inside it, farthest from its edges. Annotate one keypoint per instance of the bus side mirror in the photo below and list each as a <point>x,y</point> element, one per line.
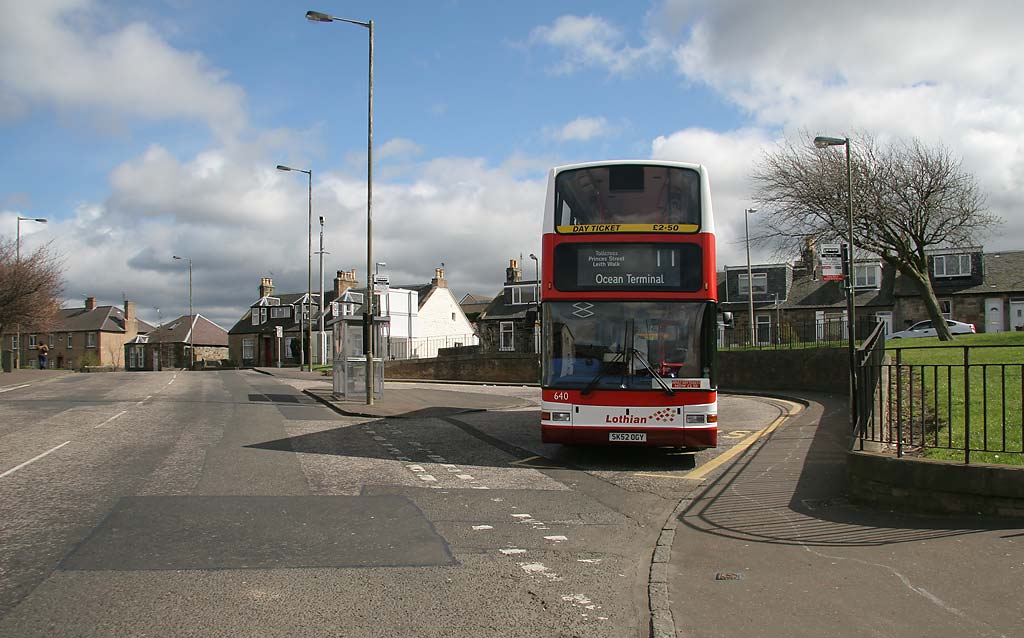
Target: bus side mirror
<point>727,320</point>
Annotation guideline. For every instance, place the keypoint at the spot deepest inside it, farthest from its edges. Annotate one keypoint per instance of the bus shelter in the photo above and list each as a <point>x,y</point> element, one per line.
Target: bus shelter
<point>349,357</point>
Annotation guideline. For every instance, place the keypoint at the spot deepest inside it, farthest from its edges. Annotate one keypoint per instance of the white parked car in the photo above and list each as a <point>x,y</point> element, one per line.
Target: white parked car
<point>926,329</point>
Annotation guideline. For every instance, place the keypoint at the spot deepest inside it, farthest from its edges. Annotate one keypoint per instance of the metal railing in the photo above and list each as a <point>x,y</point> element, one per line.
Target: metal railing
<point>953,402</point>
<point>827,333</point>
<point>396,348</point>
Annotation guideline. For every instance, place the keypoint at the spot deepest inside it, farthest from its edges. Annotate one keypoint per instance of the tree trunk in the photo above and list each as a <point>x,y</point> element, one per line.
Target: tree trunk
<point>931,303</point>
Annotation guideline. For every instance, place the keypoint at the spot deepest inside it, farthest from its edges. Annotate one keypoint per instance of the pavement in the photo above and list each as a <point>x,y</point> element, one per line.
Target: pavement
<point>405,402</point>
<point>770,546</point>
<point>28,375</point>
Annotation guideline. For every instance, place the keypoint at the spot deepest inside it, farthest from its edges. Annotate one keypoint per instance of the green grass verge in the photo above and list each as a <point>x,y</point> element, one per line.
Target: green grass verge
<point>996,394</point>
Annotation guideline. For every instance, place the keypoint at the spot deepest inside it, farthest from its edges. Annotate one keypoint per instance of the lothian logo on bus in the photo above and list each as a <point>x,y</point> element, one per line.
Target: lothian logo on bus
<point>624,418</point>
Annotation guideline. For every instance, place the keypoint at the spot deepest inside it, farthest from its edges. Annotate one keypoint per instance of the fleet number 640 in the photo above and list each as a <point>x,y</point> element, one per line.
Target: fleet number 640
<point>560,396</point>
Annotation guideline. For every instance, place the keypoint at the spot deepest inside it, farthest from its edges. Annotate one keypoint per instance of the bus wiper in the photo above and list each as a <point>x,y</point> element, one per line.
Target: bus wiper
<point>658,377</point>
<point>600,373</point>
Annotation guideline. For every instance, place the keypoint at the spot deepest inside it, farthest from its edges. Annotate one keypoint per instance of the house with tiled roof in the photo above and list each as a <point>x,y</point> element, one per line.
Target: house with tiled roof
<point>89,335</point>
<point>509,323</point>
<point>793,302</point>
<point>167,346</point>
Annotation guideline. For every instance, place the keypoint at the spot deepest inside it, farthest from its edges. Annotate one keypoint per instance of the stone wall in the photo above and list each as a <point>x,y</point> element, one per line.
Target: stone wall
<point>493,367</point>
<point>811,369</point>
<point>943,487</point>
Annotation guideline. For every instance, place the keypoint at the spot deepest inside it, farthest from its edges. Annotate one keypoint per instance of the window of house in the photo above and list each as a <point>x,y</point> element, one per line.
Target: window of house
<point>453,316</point>
<point>90,340</point>
<point>69,341</point>
<point>49,339</point>
<point>255,316</point>
<point>952,265</point>
<point>760,283</point>
<point>263,314</point>
<point>247,347</point>
<point>33,342</point>
<point>506,336</point>
<point>867,276</point>
<point>946,308</point>
<point>523,294</point>
<point>280,312</point>
<point>764,329</point>
<point>14,343</point>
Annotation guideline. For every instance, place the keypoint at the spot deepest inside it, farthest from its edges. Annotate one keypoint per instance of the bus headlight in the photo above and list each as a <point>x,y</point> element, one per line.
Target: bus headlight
<point>558,417</point>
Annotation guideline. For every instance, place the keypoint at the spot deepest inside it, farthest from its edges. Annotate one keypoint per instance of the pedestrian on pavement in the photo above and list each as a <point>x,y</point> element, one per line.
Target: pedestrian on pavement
<point>43,351</point>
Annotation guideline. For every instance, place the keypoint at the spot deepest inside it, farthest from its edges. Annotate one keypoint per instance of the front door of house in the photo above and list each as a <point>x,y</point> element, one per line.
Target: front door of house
<point>1017,314</point>
<point>268,351</point>
<point>994,315</point>
<point>885,317</point>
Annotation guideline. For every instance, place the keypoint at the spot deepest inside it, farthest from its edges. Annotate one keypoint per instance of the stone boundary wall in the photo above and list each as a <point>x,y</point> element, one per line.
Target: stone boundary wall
<point>494,367</point>
<point>935,487</point>
<point>810,369</point>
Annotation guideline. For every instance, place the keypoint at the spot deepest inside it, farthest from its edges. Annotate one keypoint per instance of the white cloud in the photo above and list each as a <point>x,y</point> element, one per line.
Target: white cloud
<point>582,129</point>
<point>592,42</point>
<point>53,54</point>
<point>398,148</point>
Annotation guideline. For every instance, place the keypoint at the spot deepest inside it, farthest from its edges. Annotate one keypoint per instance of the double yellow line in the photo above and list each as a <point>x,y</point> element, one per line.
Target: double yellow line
<point>702,471</point>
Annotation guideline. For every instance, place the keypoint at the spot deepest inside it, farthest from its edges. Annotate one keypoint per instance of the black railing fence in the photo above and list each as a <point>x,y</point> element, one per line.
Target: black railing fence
<point>784,333</point>
<point>954,402</point>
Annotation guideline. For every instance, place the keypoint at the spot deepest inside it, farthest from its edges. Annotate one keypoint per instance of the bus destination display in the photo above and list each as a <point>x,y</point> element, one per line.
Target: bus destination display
<point>642,267</point>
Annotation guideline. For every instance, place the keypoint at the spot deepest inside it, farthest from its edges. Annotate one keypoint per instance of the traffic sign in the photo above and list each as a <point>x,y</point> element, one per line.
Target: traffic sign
<point>831,262</point>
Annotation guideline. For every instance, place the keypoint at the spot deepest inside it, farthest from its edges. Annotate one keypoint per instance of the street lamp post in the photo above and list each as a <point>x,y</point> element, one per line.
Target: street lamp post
<point>192,320</point>
<point>309,275</point>
<point>747,212</point>
<point>536,302</point>
<point>17,261</point>
<point>315,16</point>
<point>320,336</point>
<point>822,142</point>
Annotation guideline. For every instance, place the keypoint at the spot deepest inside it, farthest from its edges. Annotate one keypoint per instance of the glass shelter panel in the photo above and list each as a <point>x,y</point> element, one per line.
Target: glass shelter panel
<point>621,345</point>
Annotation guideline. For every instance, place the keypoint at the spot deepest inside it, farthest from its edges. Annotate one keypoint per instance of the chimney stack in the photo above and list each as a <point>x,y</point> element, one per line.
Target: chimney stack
<point>439,279</point>
<point>513,273</point>
<point>343,281</point>
<point>90,303</point>
<point>131,323</point>
<point>266,287</point>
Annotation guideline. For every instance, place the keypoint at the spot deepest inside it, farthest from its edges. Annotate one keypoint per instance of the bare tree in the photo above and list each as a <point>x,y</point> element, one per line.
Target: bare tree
<point>30,288</point>
<point>907,197</point>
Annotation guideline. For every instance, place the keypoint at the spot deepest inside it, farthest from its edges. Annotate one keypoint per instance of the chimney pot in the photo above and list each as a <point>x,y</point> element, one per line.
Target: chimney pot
<point>90,303</point>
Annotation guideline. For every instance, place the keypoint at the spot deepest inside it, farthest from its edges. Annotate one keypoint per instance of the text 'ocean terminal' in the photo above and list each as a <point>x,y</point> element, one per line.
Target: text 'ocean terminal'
<point>632,265</point>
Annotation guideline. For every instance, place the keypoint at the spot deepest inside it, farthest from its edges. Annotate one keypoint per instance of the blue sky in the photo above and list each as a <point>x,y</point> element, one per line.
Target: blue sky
<point>145,129</point>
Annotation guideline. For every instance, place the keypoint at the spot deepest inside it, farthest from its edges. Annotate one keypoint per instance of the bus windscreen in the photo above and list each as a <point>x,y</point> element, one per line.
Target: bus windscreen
<point>632,195</point>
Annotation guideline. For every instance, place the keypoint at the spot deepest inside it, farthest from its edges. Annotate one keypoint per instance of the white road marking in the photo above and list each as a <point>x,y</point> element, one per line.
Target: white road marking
<point>465,477</point>
<point>588,560</point>
<point>522,516</point>
<point>111,419</point>
<point>144,400</point>
<point>33,460</point>
<point>481,527</point>
<point>416,468</point>
<point>480,487</point>
<point>512,550</point>
<point>557,539</point>
<point>426,477</point>
<point>379,438</point>
<point>15,387</point>
<point>539,568</point>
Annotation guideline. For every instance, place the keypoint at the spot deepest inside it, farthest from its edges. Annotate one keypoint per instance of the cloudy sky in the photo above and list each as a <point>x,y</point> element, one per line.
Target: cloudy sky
<point>143,129</point>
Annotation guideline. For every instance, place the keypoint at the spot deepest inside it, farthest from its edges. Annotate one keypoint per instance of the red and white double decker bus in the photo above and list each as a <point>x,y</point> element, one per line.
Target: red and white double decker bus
<point>629,306</point>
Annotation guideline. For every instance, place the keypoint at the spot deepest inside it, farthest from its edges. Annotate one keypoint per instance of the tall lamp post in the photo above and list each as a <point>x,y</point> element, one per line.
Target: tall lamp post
<point>320,339</point>
<point>315,16</point>
<point>822,142</point>
<point>747,212</point>
<point>192,320</point>
<point>536,302</point>
<point>17,249</point>
<point>309,274</point>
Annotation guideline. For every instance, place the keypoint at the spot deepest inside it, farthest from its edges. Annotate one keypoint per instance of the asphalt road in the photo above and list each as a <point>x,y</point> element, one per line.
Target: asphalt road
<point>231,504</point>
